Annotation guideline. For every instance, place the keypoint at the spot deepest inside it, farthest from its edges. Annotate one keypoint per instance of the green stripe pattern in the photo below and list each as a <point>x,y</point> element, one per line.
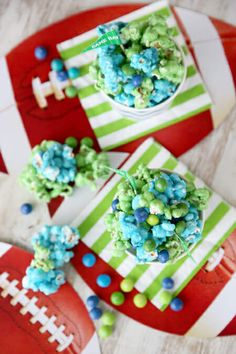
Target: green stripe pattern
<point>152,275</point>
<point>117,129</point>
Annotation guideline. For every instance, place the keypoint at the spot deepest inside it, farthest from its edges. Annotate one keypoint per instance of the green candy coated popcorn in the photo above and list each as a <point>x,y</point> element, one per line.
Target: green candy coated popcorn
<point>199,198</point>
<point>132,32</point>
<point>41,258</point>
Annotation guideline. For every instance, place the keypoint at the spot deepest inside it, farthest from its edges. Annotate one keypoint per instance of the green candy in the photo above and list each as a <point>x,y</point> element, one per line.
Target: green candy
<point>157,207</point>
<point>140,300</point>
<point>105,331</point>
<point>71,91</point>
<point>180,226</point>
<point>72,142</point>
<point>179,210</point>
<point>160,185</point>
<point>152,220</point>
<point>87,141</point>
<point>128,70</point>
<point>108,318</point>
<point>149,245</point>
<point>127,285</point>
<point>117,298</point>
<point>165,297</point>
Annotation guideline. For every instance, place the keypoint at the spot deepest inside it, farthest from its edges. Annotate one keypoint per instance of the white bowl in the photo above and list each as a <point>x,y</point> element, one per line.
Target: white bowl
<point>132,251</point>
<point>140,114</point>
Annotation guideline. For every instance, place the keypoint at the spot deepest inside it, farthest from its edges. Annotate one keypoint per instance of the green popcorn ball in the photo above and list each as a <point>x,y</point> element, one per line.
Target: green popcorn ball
<point>199,198</point>
<point>150,36</point>
<point>132,32</point>
<point>171,71</point>
<point>147,84</point>
<point>134,49</point>
<point>158,21</point>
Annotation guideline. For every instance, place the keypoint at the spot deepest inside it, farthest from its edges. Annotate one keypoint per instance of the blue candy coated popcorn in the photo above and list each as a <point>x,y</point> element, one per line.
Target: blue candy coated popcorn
<point>144,256</point>
<point>123,98</point>
<point>146,61</point>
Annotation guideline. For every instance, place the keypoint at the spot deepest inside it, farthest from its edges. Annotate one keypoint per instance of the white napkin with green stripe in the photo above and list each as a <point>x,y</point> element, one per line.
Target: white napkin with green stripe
<point>220,221</point>
<point>111,128</point>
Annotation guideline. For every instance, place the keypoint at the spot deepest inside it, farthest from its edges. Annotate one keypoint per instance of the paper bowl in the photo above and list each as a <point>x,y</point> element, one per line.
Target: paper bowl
<point>145,113</point>
<point>132,251</point>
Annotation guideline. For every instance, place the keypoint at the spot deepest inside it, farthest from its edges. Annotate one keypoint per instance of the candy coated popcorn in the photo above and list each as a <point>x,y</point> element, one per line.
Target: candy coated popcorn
<point>145,70</point>
<point>157,217</point>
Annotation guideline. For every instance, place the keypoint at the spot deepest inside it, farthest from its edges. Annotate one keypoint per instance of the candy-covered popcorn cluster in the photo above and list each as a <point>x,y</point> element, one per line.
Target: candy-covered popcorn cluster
<point>157,217</point>
<point>52,247</point>
<point>54,168</point>
<point>145,70</point>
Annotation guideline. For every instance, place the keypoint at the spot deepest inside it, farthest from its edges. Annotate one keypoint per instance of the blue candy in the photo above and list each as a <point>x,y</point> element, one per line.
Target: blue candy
<point>141,214</point>
<point>167,283</point>
<point>26,208</point>
<point>92,301</point>
<point>114,204</point>
<point>73,73</point>
<point>137,80</point>
<point>89,260</point>
<point>103,280</point>
<point>176,304</point>
<point>40,52</point>
<point>57,64</point>
<point>95,313</point>
<point>62,75</point>
<point>163,256</point>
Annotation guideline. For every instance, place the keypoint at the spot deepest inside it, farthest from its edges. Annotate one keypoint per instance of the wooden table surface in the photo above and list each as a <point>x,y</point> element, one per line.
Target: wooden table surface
<point>214,160</point>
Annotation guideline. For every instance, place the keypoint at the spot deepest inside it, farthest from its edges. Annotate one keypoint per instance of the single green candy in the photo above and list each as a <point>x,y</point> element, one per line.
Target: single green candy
<point>108,318</point>
<point>165,297</point>
<point>157,206</point>
<point>87,141</point>
<point>72,142</point>
<point>148,196</point>
<point>153,220</point>
<point>127,285</point>
<point>149,245</point>
<point>105,331</point>
<point>117,298</point>
<point>140,300</point>
<point>71,91</point>
<point>180,226</point>
<point>128,70</point>
<point>160,185</point>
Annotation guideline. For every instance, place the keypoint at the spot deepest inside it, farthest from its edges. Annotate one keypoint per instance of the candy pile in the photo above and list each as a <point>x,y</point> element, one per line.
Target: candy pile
<point>54,168</point>
<point>108,318</point>
<point>159,219</point>
<point>145,70</point>
<point>52,247</point>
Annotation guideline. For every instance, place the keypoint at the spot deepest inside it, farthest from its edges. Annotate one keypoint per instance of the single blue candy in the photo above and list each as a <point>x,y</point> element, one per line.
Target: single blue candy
<point>103,280</point>
<point>167,283</point>
<point>73,73</point>
<point>92,301</point>
<point>176,304</point>
<point>137,80</point>
<point>89,260</point>
<point>114,204</point>
<point>62,75</point>
<point>57,64</point>
<point>40,52</point>
<point>95,313</point>
<point>163,256</point>
<point>26,208</point>
<point>141,214</point>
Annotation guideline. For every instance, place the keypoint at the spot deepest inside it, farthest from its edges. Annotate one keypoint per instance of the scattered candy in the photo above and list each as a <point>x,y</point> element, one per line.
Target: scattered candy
<point>62,75</point>
<point>57,64</point>
<point>105,331</point>
<point>117,298</point>
<point>165,297</point>
<point>127,285</point>
<point>176,304</point>
<point>108,318</point>
<point>71,91</point>
<point>140,300</point>
<point>103,280</point>
<point>73,73</point>
<point>87,142</point>
<point>52,246</point>
<point>95,313</point>
<point>40,53</point>
<point>26,208</point>
<point>71,142</point>
<point>167,283</point>
<point>92,301</point>
<point>148,68</point>
<point>157,215</point>
<point>89,260</point>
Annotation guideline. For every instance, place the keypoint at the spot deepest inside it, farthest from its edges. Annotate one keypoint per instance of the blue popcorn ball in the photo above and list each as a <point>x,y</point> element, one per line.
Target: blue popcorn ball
<point>146,61</point>
<point>57,163</point>
<point>128,88</point>
<point>46,282</point>
<point>125,99</point>
<point>162,231</point>
<point>143,256</point>
<point>130,231</point>
<point>165,86</point>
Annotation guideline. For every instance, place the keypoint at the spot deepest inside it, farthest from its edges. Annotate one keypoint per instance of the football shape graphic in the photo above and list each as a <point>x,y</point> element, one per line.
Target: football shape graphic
<point>34,323</point>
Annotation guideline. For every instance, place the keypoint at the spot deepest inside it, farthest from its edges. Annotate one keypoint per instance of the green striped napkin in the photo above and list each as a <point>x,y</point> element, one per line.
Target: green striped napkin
<point>111,128</point>
<point>220,221</point>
